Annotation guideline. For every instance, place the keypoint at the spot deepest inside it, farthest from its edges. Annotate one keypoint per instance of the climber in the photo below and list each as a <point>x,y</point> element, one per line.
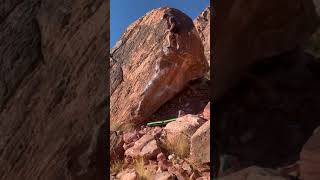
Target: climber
<point>173,30</point>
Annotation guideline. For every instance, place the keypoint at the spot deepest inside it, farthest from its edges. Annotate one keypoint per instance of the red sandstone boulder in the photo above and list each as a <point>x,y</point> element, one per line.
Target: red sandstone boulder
<point>202,24</point>
<point>53,89</point>
<point>145,73</point>
<point>200,144</point>
<point>145,147</point>
<point>183,128</point>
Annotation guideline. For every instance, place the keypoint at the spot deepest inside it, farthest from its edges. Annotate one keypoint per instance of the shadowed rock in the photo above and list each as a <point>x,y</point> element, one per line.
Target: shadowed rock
<point>53,84</point>
<point>248,31</point>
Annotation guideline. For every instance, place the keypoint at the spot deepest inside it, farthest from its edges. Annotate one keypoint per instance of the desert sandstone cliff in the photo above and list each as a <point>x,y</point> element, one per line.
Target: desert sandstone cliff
<point>53,88</point>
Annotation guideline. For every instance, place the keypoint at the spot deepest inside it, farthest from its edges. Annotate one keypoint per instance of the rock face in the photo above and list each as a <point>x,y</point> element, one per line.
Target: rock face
<point>145,73</point>
<point>310,158</point>
<point>248,31</point>
<point>254,173</point>
<point>164,176</point>
<point>129,176</point>
<point>202,24</point>
<point>200,144</point>
<point>53,84</point>
<point>116,146</point>
<point>206,112</point>
<point>183,127</point>
<point>275,105</point>
<point>145,147</point>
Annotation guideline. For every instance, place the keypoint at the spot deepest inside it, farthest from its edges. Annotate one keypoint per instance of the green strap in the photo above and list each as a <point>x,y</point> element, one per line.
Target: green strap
<point>160,123</point>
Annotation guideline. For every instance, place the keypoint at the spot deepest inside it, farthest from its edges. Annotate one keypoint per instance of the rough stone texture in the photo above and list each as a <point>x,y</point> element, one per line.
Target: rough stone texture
<point>130,137</point>
<point>206,112</point>
<point>272,113</point>
<point>310,158</point>
<point>200,144</point>
<point>183,127</point>
<point>144,73</point>
<point>254,173</point>
<point>164,176</point>
<point>202,24</point>
<point>248,31</point>
<point>204,178</point>
<point>53,85</point>
<point>145,147</point>
<point>116,146</point>
<point>129,176</point>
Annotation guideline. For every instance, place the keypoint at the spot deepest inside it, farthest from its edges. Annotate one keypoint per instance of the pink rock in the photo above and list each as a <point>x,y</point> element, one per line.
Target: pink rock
<point>203,178</point>
<point>150,150</point>
<point>157,131</point>
<point>127,146</point>
<point>186,167</point>
<point>145,147</point>
<point>129,176</point>
<point>161,157</point>
<point>130,137</point>
<point>194,176</point>
<point>164,176</point>
<point>183,127</point>
<point>206,112</point>
<point>200,144</point>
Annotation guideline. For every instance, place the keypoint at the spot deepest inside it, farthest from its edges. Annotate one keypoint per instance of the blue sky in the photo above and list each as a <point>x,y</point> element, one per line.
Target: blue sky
<point>125,12</point>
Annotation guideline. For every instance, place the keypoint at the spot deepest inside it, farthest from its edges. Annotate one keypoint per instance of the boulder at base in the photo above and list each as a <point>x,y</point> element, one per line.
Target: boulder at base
<point>145,73</point>
<point>183,128</point>
<point>200,144</point>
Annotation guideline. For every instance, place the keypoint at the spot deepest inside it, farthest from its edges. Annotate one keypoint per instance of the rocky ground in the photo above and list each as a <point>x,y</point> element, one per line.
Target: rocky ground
<point>53,89</point>
<point>181,149</point>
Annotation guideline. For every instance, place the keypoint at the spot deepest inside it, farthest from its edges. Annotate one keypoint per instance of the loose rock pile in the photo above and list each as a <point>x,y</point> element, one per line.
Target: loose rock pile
<point>163,155</point>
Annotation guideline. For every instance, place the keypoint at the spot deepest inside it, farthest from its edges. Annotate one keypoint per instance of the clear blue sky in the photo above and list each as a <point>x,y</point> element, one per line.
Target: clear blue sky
<point>125,12</point>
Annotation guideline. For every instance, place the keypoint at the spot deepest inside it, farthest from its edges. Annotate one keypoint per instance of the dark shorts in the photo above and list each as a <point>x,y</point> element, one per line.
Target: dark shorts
<point>175,30</point>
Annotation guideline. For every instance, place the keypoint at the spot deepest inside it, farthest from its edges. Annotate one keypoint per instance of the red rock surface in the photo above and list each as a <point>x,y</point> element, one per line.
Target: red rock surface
<point>116,146</point>
<point>144,78</point>
<point>206,112</point>
<point>200,144</point>
<point>53,89</point>
<point>145,147</point>
<point>202,24</point>
<point>164,176</point>
<point>183,127</point>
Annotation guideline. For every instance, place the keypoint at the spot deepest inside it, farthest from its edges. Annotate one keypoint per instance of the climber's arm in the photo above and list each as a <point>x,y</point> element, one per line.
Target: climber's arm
<point>172,24</point>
